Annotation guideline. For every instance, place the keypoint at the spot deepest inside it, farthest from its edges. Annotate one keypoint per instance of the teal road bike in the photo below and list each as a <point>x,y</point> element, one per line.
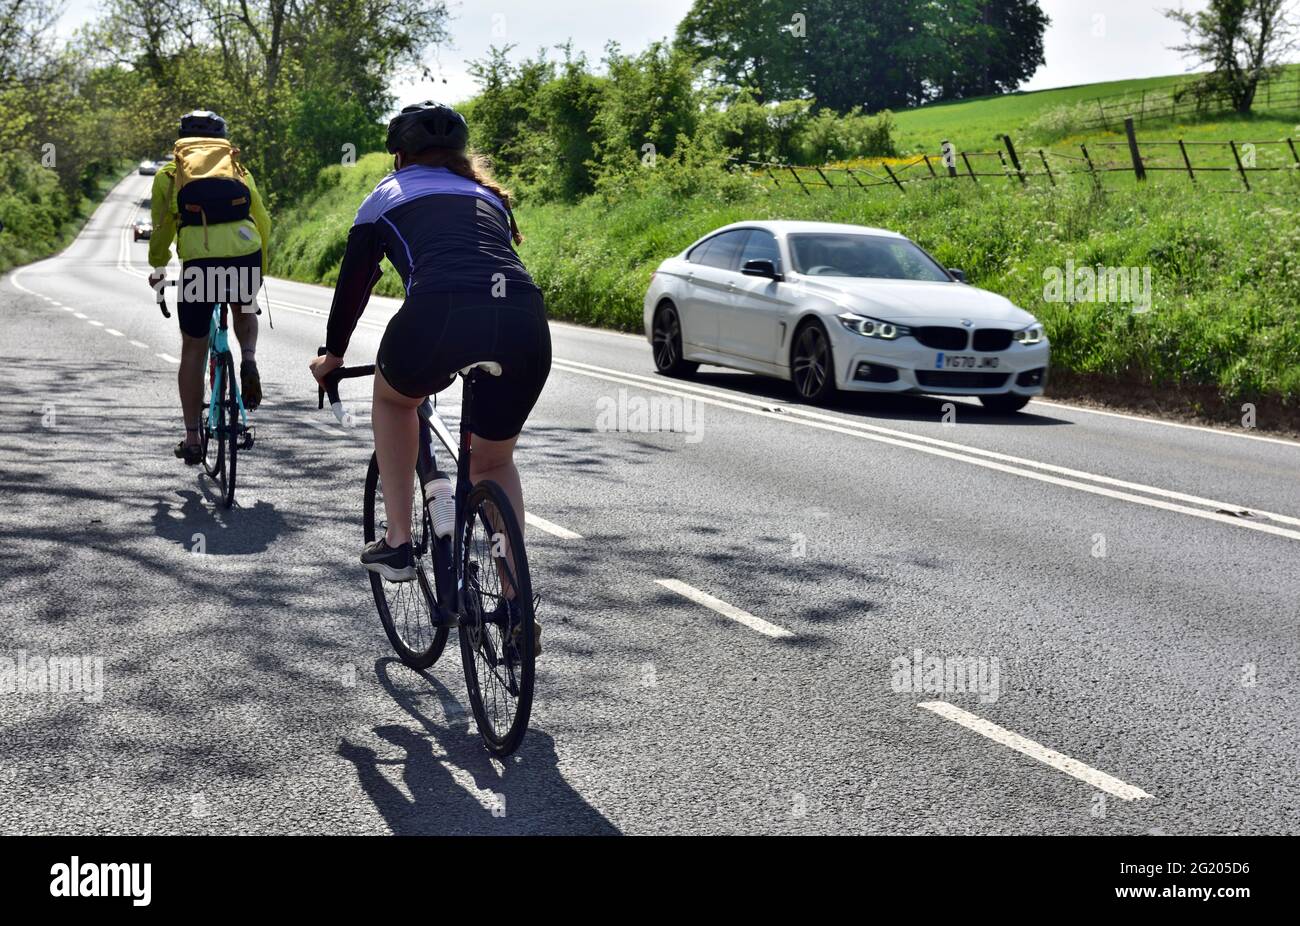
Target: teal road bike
<point>224,429</point>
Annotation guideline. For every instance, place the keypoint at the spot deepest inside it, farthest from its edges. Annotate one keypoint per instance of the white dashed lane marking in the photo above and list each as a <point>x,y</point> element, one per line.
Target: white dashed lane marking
<point>1028,747</point>
<point>141,345</point>
<point>114,332</point>
<point>725,609</point>
<point>168,357</point>
<point>91,321</point>
<point>549,527</point>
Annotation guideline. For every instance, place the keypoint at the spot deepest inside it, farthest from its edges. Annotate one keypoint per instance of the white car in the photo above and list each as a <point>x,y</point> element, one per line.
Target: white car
<point>830,306</point>
<point>148,168</point>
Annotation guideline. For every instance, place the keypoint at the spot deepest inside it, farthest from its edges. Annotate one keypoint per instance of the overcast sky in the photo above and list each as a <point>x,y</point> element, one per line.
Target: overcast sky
<point>1088,41</point>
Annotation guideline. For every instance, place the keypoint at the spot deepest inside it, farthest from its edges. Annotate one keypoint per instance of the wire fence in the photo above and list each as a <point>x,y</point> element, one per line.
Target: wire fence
<point>1196,162</point>
<point>1190,98</point>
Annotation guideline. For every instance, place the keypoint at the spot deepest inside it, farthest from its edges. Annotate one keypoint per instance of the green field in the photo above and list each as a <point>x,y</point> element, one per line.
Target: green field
<point>1222,329</point>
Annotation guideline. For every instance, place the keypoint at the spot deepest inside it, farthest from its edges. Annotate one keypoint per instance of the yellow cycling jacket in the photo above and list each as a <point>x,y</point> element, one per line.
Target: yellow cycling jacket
<point>229,239</point>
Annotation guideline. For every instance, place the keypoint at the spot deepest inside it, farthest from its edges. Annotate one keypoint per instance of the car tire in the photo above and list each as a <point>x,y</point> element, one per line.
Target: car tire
<point>812,364</point>
<point>666,335</point>
<point>1007,403</point>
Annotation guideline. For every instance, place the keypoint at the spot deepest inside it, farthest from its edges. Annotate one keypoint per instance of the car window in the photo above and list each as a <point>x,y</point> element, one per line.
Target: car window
<point>865,256</point>
<point>725,250</point>
<point>696,254</point>
<point>761,246</point>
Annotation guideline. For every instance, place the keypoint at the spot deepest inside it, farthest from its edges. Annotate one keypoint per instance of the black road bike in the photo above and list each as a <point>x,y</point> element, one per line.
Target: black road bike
<point>462,580</point>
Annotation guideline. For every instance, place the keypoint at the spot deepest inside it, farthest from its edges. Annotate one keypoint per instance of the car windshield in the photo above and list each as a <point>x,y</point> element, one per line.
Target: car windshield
<point>865,256</point>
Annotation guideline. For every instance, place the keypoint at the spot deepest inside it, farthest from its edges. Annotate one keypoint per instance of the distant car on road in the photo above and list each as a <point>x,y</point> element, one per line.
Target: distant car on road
<point>141,231</point>
<point>830,306</point>
<point>148,168</point>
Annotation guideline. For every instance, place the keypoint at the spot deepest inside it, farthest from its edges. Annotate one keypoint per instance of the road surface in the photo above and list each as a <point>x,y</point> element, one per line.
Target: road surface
<point>733,609</point>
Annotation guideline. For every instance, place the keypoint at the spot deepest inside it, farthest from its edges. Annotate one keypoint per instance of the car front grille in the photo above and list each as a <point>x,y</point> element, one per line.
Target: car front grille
<point>952,379</point>
<point>939,338</point>
<point>991,339</point>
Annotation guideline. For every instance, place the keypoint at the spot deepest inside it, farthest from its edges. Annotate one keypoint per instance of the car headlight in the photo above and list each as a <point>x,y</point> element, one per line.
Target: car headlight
<point>1029,336</point>
<point>873,327</point>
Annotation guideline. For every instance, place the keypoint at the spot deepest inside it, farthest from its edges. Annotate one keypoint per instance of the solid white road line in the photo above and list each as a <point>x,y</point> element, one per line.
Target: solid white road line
<point>959,452</point>
<point>115,333</point>
<point>168,357</point>
<point>1222,432</point>
<point>141,345</point>
<point>726,610</point>
<point>548,527</point>
<point>1028,747</point>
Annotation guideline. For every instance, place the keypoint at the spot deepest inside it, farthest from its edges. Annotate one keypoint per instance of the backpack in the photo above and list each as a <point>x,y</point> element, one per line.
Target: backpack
<point>209,182</point>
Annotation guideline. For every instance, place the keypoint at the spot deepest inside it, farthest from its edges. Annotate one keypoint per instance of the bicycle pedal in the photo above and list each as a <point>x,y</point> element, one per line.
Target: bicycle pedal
<point>246,442</point>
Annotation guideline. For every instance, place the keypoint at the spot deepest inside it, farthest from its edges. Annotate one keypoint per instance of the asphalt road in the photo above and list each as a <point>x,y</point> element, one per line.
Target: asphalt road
<point>1128,589</point>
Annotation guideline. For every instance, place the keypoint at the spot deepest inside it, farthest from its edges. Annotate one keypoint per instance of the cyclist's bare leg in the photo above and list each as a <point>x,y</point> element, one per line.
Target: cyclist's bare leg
<point>245,325</point>
<point>397,439</point>
<point>189,380</point>
<point>495,460</point>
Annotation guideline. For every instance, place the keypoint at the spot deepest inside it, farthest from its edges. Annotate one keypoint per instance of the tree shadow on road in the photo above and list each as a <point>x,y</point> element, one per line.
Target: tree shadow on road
<point>525,794</point>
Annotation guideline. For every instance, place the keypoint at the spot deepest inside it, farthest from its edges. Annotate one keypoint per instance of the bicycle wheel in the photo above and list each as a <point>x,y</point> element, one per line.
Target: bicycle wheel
<point>214,451</point>
<point>232,425</point>
<point>407,609</point>
<point>496,650</point>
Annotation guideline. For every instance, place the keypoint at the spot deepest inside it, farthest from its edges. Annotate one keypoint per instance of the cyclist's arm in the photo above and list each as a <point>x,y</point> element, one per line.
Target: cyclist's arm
<point>357,277</point>
<point>261,218</point>
<point>164,221</point>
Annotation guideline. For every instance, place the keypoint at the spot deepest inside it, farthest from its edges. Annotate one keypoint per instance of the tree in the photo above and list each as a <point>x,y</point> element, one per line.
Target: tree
<point>996,49</point>
<point>750,45</point>
<point>1244,41</point>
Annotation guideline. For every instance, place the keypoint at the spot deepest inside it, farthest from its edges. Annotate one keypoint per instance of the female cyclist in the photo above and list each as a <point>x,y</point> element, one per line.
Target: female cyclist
<point>447,228</point>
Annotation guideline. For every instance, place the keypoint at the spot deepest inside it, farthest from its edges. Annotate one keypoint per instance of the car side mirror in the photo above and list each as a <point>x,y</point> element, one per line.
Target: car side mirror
<point>958,275</point>
<point>760,268</point>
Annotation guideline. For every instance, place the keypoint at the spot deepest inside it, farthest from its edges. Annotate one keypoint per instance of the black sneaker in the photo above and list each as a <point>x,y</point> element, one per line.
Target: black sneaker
<point>192,454</point>
<point>394,565</point>
<point>250,385</point>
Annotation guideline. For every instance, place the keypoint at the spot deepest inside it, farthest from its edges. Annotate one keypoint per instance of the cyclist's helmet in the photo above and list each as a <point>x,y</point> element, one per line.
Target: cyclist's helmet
<point>202,123</point>
<point>427,125</point>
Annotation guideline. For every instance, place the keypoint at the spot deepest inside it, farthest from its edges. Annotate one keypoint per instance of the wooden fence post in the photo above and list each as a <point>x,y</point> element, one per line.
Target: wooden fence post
<point>1291,144</point>
<point>798,179</point>
<point>1047,167</point>
<point>970,170</point>
<point>1015,161</point>
<point>1138,167</point>
<point>825,179</point>
<point>1092,170</point>
<point>897,182</point>
<point>949,158</point>
<point>1242,170</point>
<point>1186,160</point>
<point>933,175</point>
<point>853,176</point>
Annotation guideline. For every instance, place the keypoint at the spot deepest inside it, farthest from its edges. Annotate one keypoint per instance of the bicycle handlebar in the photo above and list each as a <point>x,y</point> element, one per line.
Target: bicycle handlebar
<point>331,388</point>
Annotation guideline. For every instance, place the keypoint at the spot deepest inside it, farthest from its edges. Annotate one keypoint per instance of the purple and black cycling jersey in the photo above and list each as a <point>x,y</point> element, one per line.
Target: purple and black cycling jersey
<point>443,233</point>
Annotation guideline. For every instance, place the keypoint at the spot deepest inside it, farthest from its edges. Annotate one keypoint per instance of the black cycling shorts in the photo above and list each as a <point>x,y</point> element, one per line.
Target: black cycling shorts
<point>435,334</point>
<point>205,282</point>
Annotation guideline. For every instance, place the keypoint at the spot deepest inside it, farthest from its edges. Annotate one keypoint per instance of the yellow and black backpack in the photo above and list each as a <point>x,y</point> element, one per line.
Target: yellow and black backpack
<point>209,181</point>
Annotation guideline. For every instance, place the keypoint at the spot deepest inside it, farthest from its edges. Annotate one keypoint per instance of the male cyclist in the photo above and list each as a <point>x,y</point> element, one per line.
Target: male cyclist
<point>447,228</point>
<point>208,203</point>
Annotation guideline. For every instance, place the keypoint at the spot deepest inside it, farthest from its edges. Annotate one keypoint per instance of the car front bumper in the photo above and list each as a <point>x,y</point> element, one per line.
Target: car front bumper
<point>905,365</point>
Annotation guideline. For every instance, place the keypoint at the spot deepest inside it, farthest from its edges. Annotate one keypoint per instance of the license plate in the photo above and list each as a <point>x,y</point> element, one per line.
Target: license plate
<point>964,362</point>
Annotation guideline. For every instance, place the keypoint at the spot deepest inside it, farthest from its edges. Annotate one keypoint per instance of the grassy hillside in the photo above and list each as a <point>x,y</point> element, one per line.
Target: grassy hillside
<point>39,218</point>
<point>1225,269</point>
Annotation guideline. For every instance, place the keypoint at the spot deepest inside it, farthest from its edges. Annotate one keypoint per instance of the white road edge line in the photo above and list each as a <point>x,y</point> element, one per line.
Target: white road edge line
<point>548,527</point>
<point>1222,432</point>
<point>726,610</point>
<point>961,454</point>
<point>168,357</point>
<point>1058,761</point>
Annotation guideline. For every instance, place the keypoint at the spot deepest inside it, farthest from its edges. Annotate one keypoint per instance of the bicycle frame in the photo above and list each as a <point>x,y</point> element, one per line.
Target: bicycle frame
<point>218,344</point>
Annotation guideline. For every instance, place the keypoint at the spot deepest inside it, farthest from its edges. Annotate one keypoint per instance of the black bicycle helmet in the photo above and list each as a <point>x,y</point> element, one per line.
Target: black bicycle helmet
<point>427,125</point>
<point>202,123</point>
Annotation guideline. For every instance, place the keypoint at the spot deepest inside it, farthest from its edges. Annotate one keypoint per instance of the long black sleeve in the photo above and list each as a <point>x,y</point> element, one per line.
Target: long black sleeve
<point>357,277</point>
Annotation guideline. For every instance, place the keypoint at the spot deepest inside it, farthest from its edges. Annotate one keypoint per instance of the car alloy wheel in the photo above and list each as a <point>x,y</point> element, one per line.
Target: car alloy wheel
<point>811,364</point>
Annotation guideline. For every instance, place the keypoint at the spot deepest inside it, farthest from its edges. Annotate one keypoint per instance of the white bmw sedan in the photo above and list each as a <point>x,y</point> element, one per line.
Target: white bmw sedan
<point>831,307</point>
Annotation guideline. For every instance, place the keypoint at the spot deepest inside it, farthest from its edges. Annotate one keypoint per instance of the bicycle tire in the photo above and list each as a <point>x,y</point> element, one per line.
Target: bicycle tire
<point>489,512</point>
<point>215,467</point>
<point>232,427</point>
<point>415,602</point>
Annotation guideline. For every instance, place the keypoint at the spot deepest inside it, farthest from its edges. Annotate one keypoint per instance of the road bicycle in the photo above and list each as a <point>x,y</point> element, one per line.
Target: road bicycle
<point>463,574</point>
<point>223,425</point>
